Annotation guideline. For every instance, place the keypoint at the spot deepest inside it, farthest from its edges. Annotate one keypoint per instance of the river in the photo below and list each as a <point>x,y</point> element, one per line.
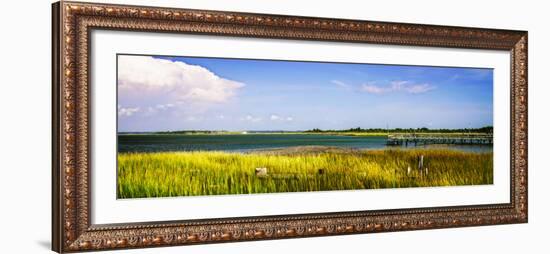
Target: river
<point>248,142</point>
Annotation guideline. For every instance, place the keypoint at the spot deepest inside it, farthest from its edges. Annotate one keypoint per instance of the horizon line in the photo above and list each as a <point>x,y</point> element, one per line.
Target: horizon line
<point>309,130</point>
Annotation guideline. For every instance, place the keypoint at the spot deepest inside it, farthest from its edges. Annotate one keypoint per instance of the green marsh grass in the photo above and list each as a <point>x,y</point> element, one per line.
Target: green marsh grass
<point>168,174</point>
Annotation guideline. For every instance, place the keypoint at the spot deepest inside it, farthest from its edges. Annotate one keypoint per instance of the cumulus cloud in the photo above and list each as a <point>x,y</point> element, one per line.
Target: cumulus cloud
<point>164,106</point>
<point>251,118</point>
<point>152,110</point>
<point>275,118</point>
<point>160,84</point>
<point>397,86</point>
<point>279,118</point>
<point>127,111</point>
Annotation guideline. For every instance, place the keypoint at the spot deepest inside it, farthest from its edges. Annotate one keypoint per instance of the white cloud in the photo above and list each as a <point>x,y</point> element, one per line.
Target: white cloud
<point>158,108</point>
<point>151,110</point>
<point>421,88</point>
<point>163,84</point>
<point>397,86</point>
<point>251,118</point>
<point>194,118</point>
<point>279,118</point>
<point>340,84</point>
<point>371,88</point>
<point>127,111</point>
<point>164,106</point>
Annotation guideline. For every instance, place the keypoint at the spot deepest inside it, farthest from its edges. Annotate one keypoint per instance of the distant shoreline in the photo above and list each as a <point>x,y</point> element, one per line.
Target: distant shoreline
<point>254,133</point>
<point>352,134</point>
<point>349,132</point>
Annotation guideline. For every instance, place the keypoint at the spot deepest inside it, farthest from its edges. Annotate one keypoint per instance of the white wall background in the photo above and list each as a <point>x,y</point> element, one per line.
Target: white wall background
<point>25,127</point>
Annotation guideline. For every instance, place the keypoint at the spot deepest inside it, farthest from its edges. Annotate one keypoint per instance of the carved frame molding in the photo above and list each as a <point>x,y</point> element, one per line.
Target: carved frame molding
<point>71,226</point>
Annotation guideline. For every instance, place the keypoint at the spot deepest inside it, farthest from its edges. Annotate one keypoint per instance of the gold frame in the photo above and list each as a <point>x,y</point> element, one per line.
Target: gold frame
<point>71,226</point>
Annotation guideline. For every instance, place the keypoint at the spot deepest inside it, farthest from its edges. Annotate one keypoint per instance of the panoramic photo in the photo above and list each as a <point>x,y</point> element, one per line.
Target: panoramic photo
<point>195,126</point>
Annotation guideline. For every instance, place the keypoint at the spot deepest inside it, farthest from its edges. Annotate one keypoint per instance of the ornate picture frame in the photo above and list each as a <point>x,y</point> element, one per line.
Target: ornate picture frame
<point>72,229</point>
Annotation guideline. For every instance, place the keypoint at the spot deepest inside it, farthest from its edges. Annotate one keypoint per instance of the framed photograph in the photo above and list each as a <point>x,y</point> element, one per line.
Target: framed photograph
<point>178,126</point>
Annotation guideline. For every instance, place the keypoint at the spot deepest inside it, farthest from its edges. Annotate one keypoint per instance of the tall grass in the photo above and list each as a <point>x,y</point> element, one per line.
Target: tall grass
<point>170,174</point>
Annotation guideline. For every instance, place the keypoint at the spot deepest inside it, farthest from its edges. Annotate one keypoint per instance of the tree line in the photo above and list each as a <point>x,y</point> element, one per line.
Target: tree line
<point>485,129</point>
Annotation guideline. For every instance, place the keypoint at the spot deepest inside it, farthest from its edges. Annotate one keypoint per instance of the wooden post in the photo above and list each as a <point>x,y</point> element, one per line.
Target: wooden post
<point>261,172</point>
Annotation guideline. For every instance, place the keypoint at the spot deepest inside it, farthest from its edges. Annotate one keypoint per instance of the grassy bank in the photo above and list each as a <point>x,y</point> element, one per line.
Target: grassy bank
<point>213,173</point>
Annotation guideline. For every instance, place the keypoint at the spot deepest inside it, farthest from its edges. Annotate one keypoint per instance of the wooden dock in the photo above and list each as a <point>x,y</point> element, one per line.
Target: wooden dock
<point>428,139</point>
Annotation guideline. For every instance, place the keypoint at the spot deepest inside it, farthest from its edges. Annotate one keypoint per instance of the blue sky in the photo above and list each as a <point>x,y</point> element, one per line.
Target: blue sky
<point>186,93</point>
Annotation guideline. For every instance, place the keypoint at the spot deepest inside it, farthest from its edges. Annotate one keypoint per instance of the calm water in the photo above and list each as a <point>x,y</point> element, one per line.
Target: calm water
<point>240,143</point>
